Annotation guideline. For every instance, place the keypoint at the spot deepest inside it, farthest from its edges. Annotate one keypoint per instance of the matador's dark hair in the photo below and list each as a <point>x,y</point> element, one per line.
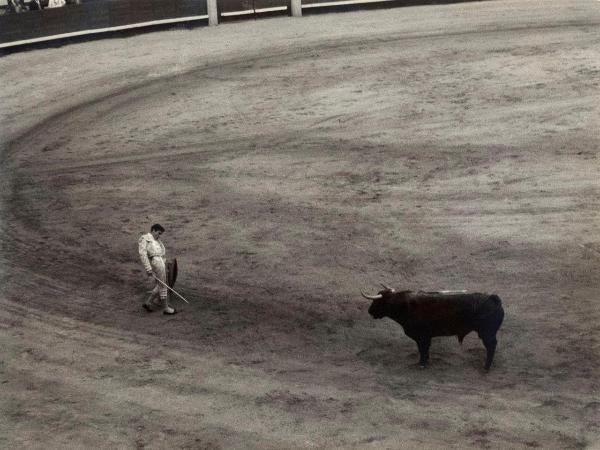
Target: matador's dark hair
<point>157,227</point>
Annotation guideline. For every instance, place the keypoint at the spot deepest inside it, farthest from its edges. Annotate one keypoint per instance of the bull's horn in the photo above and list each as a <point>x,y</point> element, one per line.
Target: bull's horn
<point>371,297</point>
<point>388,288</point>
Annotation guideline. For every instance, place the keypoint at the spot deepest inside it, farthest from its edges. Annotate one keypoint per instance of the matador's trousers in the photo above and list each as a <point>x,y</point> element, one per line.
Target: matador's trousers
<point>160,272</point>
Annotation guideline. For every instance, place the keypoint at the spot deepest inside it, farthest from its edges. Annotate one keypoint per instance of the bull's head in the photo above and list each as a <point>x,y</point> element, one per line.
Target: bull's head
<point>377,310</point>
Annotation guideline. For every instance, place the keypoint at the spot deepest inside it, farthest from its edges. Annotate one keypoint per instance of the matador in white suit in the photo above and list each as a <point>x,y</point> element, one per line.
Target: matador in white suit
<point>152,254</point>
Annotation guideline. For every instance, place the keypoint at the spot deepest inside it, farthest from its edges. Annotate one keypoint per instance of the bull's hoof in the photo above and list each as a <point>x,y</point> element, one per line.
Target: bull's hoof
<point>423,365</point>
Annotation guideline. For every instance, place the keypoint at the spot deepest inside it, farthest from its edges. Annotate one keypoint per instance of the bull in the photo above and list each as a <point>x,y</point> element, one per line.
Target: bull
<point>424,315</point>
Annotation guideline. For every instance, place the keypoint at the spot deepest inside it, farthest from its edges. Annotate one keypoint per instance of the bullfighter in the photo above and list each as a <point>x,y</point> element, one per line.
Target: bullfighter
<point>152,253</point>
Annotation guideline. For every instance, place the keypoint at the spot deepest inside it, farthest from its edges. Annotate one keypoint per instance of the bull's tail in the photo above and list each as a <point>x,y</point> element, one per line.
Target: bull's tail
<point>491,306</point>
<point>494,298</point>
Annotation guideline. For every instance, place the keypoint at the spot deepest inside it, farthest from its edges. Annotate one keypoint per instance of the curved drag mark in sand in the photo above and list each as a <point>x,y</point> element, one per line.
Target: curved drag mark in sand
<point>124,96</point>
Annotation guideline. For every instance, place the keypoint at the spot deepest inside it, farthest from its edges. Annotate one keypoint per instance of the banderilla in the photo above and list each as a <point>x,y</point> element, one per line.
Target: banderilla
<point>170,288</point>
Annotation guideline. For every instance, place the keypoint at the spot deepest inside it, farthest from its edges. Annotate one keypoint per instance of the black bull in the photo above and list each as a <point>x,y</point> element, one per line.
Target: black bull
<point>424,315</point>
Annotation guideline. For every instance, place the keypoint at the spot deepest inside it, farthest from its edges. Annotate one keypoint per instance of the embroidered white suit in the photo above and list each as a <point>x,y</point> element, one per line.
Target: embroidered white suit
<point>152,253</point>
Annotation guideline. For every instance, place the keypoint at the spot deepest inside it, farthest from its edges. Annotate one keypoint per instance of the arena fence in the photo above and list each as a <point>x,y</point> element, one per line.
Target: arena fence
<point>91,17</point>
<point>95,17</point>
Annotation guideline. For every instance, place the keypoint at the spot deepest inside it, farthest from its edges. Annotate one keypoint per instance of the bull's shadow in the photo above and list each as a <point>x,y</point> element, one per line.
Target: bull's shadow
<point>400,357</point>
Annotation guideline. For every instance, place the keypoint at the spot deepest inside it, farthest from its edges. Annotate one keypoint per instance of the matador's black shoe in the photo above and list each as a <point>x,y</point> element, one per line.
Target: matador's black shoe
<point>147,307</point>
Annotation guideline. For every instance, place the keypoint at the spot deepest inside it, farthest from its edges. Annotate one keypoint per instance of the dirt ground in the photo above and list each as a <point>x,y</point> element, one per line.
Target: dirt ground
<point>295,162</point>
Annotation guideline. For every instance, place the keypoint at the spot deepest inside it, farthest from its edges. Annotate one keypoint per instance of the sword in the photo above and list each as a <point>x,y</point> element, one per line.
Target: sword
<point>170,288</point>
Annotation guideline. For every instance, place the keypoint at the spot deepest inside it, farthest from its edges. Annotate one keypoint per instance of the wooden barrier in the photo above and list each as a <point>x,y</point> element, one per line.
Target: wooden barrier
<point>99,15</point>
<point>240,7</point>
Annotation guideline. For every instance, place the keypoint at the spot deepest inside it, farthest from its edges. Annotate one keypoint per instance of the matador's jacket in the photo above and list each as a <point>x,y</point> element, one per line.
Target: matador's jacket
<point>152,253</point>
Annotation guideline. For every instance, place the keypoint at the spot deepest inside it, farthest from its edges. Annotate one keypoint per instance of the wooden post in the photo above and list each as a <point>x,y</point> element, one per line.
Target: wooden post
<point>296,8</point>
<point>213,12</point>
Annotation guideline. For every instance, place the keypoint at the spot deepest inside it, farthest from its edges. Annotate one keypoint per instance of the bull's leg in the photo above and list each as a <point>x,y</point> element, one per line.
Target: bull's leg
<point>424,343</point>
<point>487,328</point>
<point>490,346</point>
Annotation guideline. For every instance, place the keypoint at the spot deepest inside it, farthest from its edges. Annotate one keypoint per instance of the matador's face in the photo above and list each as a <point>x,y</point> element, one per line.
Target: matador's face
<point>156,234</point>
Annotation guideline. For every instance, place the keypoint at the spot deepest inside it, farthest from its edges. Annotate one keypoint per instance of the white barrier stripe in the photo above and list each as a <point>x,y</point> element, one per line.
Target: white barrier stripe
<point>273,8</point>
<point>237,13</point>
<point>102,30</point>
<point>344,2</point>
<point>252,11</point>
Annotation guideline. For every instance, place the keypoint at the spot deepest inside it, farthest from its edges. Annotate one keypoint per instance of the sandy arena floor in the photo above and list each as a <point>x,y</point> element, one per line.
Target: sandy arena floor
<point>293,163</point>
